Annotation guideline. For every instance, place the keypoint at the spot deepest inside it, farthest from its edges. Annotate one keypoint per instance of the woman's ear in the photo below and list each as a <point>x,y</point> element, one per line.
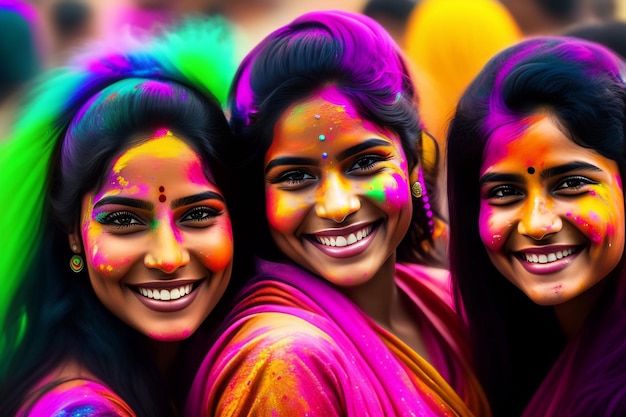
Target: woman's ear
<point>74,241</point>
<point>417,188</point>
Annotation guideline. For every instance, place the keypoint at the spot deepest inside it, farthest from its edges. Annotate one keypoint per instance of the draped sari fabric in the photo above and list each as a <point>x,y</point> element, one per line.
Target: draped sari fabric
<point>75,398</point>
<point>295,345</point>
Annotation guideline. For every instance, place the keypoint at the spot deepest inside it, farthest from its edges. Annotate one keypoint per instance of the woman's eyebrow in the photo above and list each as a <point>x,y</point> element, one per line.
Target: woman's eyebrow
<point>497,177</point>
<point>573,166</point>
<point>545,174</point>
<point>207,195</point>
<point>289,160</point>
<point>125,201</point>
<point>353,150</point>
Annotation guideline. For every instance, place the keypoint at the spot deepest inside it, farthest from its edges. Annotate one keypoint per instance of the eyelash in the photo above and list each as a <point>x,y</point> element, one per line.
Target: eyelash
<point>372,161</point>
<point>209,213</point>
<point>113,219</point>
<point>127,219</point>
<point>581,182</point>
<point>288,177</point>
<point>515,193</point>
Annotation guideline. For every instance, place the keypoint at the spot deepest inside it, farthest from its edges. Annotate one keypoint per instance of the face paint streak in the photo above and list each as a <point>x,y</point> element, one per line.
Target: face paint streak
<point>377,190</point>
<point>158,147</point>
<point>220,255</point>
<point>182,334</point>
<point>279,213</point>
<point>591,231</point>
<point>121,181</point>
<point>197,175</point>
<point>101,216</point>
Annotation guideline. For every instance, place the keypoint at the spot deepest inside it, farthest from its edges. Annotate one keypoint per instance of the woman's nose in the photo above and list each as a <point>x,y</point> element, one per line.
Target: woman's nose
<point>166,251</point>
<point>336,199</point>
<point>538,220</point>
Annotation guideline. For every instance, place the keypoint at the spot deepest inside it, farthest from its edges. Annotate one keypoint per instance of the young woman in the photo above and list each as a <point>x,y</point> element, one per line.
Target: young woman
<point>118,241</point>
<point>348,314</point>
<point>536,159</point>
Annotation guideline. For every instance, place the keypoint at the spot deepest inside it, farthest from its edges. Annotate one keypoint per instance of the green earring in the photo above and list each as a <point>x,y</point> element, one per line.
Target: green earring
<point>76,263</point>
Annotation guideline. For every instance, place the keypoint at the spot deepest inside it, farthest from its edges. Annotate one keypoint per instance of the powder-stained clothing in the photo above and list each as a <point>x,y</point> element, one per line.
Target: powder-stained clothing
<point>295,345</point>
<point>74,398</point>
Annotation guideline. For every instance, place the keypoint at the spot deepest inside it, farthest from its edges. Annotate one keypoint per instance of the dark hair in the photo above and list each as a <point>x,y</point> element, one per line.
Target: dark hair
<point>353,53</point>
<point>78,120</point>
<point>611,34</point>
<point>516,341</point>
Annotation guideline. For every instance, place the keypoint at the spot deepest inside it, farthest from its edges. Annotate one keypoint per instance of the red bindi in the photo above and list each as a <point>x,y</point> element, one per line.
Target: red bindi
<point>162,197</point>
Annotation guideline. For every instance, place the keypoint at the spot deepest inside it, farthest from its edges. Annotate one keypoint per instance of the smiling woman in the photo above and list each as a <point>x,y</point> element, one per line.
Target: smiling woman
<point>536,156</point>
<point>348,315</point>
<point>127,149</point>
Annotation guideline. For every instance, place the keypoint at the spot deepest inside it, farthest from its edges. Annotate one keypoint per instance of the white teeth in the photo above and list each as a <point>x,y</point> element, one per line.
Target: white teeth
<point>166,295</point>
<point>341,241</point>
<point>550,257</point>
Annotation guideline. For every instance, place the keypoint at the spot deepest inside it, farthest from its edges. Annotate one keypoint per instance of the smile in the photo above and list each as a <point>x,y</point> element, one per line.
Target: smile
<point>547,257</point>
<point>345,240</point>
<point>548,260</point>
<point>170,297</point>
<point>166,295</point>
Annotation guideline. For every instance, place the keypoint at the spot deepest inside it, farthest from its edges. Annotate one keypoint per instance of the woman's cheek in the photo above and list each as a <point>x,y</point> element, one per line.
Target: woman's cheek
<point>284,210</point>
<point>593,216</point>
<point>391,191</point>
<point>219,252</point>
<point>492,227</point>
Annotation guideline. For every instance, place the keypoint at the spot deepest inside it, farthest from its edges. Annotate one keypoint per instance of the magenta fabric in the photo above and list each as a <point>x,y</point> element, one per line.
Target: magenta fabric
<point>75,398</point>
<point>294,345</point>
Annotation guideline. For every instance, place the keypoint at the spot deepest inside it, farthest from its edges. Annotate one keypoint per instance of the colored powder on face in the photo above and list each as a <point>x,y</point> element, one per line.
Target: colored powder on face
<point>221,252</point>
<point>197,173</point>
<point>377,190</point>
<point>158,147</point>
<point>101,216</point>
<point>121,181</point>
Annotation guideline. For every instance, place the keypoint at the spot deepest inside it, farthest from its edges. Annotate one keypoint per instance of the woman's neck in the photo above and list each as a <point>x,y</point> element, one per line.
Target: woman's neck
<point>382,301</point>
<point>378,295</point>
<point>163,354</point>
<point>572,314</point>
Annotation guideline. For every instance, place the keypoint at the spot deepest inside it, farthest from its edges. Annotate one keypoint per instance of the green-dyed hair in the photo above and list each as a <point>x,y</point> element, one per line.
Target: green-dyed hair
<point>52,150</point>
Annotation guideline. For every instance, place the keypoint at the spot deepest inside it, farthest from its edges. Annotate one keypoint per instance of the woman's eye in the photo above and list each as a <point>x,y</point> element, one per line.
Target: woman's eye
<point>294,177</point>
<point>504,194</point>
<point>200,215</point>
<point>366,163</point>
<point>573,185</point>
<point>120,219</point>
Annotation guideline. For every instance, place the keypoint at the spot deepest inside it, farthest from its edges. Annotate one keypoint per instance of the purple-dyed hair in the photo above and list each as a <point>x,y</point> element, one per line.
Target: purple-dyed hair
<point>356,55</point>
<point>515,341</point>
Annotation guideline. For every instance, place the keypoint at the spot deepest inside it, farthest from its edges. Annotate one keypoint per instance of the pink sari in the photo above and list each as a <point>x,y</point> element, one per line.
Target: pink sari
<point>75,397</point>
<point>294,345</point>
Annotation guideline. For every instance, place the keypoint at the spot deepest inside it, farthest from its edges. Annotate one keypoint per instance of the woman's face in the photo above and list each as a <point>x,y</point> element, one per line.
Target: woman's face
<point>157,239</point>
<point>337,190</point>
<point>551,212</point>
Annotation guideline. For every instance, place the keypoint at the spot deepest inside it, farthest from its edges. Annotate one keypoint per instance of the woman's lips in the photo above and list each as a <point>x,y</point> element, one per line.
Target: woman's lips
<point>344,243</point>
<point>547,260</point>
<point>168,297</point>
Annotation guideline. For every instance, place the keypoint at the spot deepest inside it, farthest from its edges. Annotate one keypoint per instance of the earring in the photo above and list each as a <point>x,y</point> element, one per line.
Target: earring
<point>76,263</point>
<point>75,247</point>
<point>416,189</point>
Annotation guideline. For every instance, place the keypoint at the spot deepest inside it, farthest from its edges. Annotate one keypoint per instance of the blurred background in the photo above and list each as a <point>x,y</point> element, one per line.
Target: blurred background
<point>446,41</point>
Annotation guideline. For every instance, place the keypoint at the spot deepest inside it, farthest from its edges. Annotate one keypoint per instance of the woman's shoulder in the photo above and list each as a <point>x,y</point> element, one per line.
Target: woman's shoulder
<point>71,392</point>
<point>278,333</point>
